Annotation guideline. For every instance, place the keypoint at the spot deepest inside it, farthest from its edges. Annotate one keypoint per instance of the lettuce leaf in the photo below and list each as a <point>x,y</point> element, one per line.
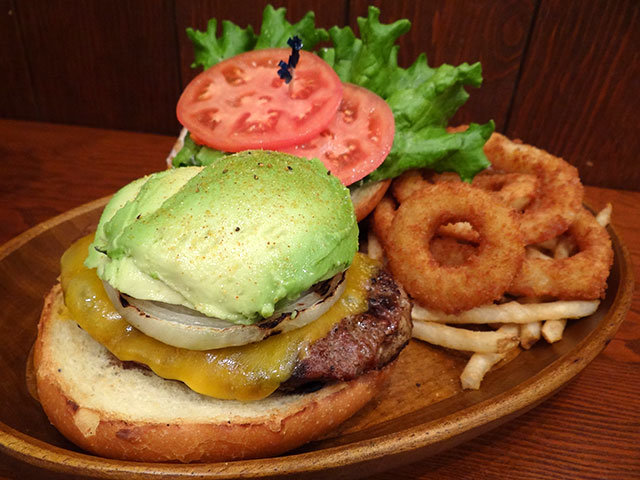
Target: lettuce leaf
<point>275,31</point>
<point>209,49</point>
<point>422,98</point>
<point>191,154</point>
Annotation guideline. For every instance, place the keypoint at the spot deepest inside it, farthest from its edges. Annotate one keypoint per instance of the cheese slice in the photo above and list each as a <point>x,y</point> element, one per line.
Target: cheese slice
<point>249,372</point>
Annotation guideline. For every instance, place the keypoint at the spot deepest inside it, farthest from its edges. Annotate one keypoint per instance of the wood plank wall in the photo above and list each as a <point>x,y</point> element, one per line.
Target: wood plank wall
<point>560,74</point>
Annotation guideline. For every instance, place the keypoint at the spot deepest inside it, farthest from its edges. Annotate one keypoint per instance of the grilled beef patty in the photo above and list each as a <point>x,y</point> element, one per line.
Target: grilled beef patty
<point>359,343</point>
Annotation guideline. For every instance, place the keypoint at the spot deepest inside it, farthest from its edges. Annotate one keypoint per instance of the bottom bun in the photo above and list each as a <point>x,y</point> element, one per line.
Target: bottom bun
<point>132,414</point>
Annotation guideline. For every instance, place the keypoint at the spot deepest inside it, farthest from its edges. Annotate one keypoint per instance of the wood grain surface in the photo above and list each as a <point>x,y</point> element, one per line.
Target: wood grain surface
<point>584,54</point>
<point>589,430</point>
<point>14,68</point>
<point>120,67</point>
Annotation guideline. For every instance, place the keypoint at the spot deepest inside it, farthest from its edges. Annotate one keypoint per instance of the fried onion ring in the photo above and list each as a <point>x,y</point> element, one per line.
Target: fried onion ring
<point>408,183</point>
<point>582,276</point>
<point>452,246</point>
<point>483,277</point>
<point>383,217</point>
<point>560,192</point>
<point>412,180</point>
<point>516,190</point>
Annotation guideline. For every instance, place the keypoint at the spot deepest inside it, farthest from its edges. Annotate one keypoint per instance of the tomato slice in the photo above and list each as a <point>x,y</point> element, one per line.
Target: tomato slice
<point>358,139</point>
<point>241,103</point>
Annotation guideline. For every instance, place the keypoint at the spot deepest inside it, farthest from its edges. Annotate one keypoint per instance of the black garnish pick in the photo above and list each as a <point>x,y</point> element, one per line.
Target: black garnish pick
<point>296,45</point>
<point>286,69</point>
<point>284,72</point>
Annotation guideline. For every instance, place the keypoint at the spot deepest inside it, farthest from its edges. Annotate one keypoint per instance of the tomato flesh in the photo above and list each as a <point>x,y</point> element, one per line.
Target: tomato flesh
<point>241,103</point>
<point>358,139</point>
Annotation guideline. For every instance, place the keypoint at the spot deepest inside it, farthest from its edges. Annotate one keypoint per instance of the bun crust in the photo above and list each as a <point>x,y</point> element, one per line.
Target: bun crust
<point>132,414</point>
<point>366,198</point>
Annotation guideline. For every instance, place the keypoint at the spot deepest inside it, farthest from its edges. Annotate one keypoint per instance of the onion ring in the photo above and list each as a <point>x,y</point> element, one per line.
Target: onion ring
<point>516,190</point>
<point>560,192</point>
<point>412,180</point>
<point>408,183</point>
<point>449,248</point>
<point>582,276</point>
<point>452,245</point>
<point>483,277</point>
<point>383,217</point>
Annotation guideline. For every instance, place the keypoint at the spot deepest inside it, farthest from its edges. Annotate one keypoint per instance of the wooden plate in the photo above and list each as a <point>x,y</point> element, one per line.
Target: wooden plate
<point>422,412</point>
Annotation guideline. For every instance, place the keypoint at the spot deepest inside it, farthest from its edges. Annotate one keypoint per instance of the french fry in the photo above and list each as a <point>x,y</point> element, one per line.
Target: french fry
<point>460,230</point>
<point>533,252</point>
<point>604,216</point>
<point>510,312</point>
<point>499,341</point>
<point>480,363</point>
<point>552,330</point>
<point>374,247</point>
<point>529,334</point>
<point>564,248</point>
<point>548,244</point>
<point>477,367</point>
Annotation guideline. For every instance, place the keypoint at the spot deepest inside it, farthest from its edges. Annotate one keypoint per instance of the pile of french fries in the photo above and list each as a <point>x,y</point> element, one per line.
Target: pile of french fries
<point>509,325</point>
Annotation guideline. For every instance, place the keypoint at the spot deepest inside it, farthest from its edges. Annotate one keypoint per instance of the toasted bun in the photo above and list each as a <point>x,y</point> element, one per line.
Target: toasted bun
<point>366,198</point>
<point>132,414</point>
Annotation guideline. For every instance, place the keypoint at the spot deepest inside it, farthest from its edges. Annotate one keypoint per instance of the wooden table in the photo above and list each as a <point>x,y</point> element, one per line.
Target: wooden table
<point>590,429</point>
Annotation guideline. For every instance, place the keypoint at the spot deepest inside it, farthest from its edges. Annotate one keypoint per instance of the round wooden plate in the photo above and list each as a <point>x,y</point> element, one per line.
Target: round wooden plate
<point>422,412</point>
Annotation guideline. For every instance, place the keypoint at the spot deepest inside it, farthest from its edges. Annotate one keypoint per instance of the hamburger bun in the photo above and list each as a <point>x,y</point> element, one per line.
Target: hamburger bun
<point>125,411</point>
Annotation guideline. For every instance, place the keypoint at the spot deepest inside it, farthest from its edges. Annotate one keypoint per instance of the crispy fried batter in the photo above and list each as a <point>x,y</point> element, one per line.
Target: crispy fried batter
<point>483,277</point>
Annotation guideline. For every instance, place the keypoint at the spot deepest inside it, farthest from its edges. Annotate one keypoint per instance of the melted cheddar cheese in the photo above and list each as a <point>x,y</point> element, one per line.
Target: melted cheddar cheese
<point>248,372</point>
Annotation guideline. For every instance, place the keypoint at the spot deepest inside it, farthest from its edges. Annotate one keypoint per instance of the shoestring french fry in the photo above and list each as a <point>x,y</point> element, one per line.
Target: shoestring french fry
<point>374,248</point>
<point>499,341</point>
<point>480,363</point>
<point>510,312</point>
<point>533,252</point>
<point>564,248</point>
<point>604,216</point>
<point>552,330</point>
<point>477,367</point>
<point>529,334</point>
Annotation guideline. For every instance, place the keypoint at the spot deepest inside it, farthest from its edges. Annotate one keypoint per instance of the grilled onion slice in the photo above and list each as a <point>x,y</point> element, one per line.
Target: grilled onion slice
<point>186,328</point>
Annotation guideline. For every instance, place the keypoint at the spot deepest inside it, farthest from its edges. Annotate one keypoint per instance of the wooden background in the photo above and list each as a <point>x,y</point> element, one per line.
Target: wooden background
<point>561,74</point>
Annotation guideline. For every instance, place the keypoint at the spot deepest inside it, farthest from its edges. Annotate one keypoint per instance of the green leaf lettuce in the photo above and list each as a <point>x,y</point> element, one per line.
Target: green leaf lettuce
<point>422,98</point>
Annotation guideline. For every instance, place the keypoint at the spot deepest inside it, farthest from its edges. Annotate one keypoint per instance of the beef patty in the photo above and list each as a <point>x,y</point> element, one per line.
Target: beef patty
<point>359,343</point>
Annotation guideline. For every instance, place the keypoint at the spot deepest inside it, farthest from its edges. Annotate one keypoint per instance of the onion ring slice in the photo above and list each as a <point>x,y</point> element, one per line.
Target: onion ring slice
<point>483,277</point>
<point>516,190</point>
<point>185,328</point>
<point>560,194</point>
<point>582,276</point>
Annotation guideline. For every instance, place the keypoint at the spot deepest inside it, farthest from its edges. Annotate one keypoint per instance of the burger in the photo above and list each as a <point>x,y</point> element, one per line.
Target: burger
<point>218,313</point>
<point>222,310</point>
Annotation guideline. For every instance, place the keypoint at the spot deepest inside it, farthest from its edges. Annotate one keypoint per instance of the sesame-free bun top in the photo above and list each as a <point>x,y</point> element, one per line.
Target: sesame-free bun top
<point>230,240</point>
